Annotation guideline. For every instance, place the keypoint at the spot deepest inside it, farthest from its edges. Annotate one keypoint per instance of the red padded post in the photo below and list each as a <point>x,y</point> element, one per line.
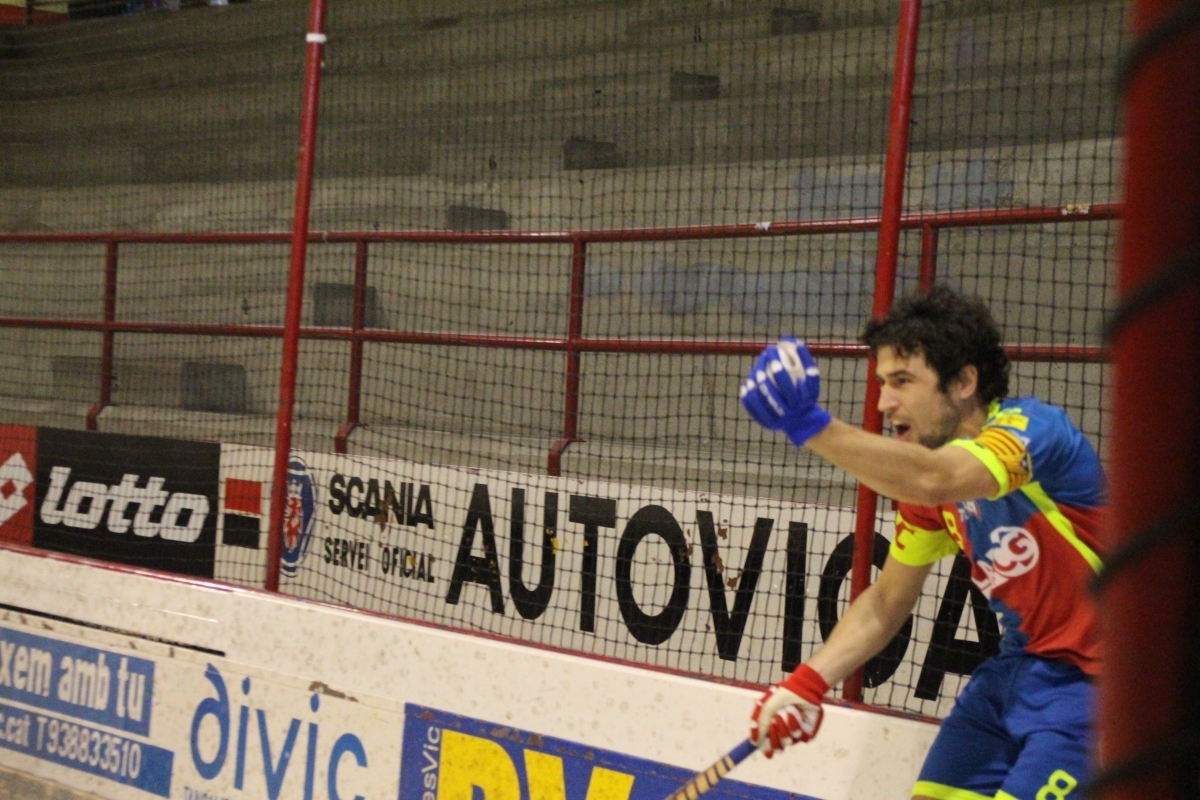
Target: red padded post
<point>1148,607</point>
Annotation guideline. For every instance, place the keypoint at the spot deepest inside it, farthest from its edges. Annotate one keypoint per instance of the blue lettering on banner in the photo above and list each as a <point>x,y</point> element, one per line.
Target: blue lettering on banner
<point>277,743</point>
<point>105,688</point>
<point>448,757</point>
<point>81,747</point>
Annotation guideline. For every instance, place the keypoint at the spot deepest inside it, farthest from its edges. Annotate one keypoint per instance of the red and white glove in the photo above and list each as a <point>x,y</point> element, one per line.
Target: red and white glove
<point>789,711</point>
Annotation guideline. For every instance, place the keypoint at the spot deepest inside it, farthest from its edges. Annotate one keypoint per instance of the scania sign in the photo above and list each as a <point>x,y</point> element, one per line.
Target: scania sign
<point>131,499</point>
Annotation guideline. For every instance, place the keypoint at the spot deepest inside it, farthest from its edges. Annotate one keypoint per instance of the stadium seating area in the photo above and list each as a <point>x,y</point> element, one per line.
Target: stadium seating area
<point>536,116</point>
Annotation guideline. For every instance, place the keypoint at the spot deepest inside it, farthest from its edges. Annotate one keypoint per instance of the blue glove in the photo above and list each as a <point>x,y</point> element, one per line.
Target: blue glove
<point>781,391</point>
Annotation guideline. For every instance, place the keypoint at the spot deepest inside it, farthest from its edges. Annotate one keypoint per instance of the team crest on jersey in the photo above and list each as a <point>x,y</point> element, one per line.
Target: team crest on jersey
<point>1011,452</point>
<point>1012,418</point>
<point>1014,552</point>
<point>299,516</point>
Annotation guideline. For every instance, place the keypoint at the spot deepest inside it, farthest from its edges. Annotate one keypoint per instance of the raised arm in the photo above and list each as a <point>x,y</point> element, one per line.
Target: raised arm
<point>781,394</point>
<point>908,472</point>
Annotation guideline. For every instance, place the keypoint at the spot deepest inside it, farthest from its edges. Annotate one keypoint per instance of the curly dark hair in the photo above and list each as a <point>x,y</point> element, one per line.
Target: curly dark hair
<point>950,330</point>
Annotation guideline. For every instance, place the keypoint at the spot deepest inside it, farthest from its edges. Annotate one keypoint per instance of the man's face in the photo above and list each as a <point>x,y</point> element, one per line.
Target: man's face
<point>911,401</point>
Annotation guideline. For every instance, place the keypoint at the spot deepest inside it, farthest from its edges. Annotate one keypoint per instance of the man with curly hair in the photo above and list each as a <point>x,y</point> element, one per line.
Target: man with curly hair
<point>1012,483</point>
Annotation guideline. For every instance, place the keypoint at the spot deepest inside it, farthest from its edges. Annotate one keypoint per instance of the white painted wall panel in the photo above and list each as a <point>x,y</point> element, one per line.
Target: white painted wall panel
<point>300,648</point>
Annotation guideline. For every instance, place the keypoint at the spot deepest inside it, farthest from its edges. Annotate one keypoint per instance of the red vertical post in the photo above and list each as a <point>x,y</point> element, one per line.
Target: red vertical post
<point>574,334</point>
<point>929,254</point>
<point>295,294</point>
<point>106,341</point>
<point>358,313</point>
<point>1148,611</point>
<point>885,288</point>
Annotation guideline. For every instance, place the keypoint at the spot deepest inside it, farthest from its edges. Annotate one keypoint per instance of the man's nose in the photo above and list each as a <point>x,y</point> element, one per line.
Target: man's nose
<point>887,400</point>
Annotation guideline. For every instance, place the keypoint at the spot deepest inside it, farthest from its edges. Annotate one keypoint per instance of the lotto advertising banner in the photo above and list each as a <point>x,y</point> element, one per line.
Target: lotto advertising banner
<point>137,500</point>
<point>742,588</point>
<point>448,757</point>
<point>131,723</point>
<point>18,465</point>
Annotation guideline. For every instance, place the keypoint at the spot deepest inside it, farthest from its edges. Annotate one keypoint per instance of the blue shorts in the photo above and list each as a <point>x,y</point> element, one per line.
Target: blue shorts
<point>1021,729</point>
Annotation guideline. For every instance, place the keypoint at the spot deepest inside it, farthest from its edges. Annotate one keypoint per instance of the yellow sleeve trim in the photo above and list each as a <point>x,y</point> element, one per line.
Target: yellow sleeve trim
<point>940,791</point>
<point>917,547</point>
<point>990,460</point>
<point>1037,494</point>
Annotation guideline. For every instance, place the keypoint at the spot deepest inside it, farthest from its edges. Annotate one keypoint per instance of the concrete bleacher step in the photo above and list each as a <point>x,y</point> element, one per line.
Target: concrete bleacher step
<point>526,124</point>
<point>257,429</point>
<point>250,41</point>
<point>43,412</point>
<point>974,113</point>
<point>811,63</point>
<point>770,66</point>
<point>654,289</point>
<point>1021,175</point>
<point>763,469</point>
<point>478,451</point>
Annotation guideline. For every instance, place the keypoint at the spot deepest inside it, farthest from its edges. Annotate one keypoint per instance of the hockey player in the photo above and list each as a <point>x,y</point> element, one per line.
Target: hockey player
<point>1012,483</point>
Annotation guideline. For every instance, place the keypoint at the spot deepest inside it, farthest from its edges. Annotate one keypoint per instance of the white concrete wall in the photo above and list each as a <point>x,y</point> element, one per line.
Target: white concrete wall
<point>360,670</point>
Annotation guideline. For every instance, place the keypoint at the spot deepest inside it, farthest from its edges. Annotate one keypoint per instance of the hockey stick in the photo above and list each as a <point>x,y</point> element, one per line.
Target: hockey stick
<point>707,779</point>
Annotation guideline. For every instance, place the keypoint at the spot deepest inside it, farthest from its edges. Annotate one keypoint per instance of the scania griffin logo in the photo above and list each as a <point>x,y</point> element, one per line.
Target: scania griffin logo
<point>299,515</point>
<point>181,519</point>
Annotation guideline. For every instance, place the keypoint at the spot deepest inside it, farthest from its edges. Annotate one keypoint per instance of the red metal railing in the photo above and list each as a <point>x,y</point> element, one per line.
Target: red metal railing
<point>574,342</point>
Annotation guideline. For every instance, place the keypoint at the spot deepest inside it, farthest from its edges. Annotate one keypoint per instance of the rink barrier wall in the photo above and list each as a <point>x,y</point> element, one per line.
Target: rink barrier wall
<point>227,692</point>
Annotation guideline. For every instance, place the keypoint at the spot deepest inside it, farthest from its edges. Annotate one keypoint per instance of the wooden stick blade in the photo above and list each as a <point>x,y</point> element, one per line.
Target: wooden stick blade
<point>706,779</point>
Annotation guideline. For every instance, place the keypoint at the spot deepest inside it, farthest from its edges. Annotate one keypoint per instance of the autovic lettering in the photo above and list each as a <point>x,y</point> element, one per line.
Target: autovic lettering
<point>87,749</point>
<point>270,758</point>
<point>597,514</point>
<point>102,687</point>
<point>382,502</point>
<point>141,506</point>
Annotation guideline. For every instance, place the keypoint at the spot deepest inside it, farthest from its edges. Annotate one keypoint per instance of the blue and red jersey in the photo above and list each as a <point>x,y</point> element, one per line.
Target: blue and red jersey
<point>1034,545</point>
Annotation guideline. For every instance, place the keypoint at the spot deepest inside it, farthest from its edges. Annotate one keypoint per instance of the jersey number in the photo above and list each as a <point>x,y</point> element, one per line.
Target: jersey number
<point>1058,787</point>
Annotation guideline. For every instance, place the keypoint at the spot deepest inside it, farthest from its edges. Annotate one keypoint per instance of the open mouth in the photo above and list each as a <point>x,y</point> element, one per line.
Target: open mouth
<point>901,429</point>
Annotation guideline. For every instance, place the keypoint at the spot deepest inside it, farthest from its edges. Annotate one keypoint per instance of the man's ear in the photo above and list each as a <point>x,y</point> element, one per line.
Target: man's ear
<point>966,384</point>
